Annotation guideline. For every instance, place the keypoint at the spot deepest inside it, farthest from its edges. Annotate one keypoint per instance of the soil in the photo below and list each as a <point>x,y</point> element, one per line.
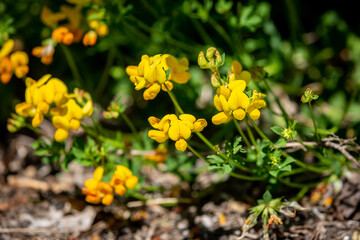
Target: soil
<point>40,202</point>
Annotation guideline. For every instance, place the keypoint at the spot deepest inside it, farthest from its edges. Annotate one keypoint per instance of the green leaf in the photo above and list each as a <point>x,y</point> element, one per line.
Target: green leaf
<point>276,129</point>
<point>168,73</point>
<point>274,173</point>
<point>267,197</point>
<point>42,152</point>
<point>237,141</point>
<point>287,168</point>
<point>227,168</point>
<point>287,161</point>
<point>222,59</point>
<point>215,158</point>
<point>78,153</point>
<point>213,166</point>
<point>281,142</point>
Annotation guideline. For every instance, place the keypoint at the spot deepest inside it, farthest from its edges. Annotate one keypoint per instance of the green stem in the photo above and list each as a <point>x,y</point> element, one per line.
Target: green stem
<point>221,31</point>
<point>173,99</point>
<point>297,162</point>
<point>313,119</point>
<point>129,123</point>
<point>105,76</point>
<point>70,60</point>
<point>297,185</point>
<point>242,133</point>
<point>198,154</point>
<point>202,32</point>
<point>251,135</point>
<point>138,196</point>
<point>258,130</point>
<point>244,177</point>
<point>203,138</point>
<point>286,116</point>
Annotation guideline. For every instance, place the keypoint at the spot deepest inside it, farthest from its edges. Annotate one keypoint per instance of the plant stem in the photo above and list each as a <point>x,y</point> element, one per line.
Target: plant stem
<point>244,177</point>
<point>242,133</point>
<point>173,99</point>
<point>70,60</point>
<point>285,115</point>
<point>198,154</point>
<point>105,76</point>
<point>129,123</point>
<point>251,135</point>
<point>203,138</point>
<point>202,32</point>
<point>297,185</point>
<point>258,130</point>
<point>313,119</point>
<point>297,162</point>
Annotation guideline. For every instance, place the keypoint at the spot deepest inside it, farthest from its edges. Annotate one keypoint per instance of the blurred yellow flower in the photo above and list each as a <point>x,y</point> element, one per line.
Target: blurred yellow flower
<point>238,72</point>
<point>17,62</point>
<point>90,38</point>
<point>122,179</point>
<point>97,191</point>
<point>159,155</point>
<point>62,35</point>
<point>45,53</point>
<point>49,18</point>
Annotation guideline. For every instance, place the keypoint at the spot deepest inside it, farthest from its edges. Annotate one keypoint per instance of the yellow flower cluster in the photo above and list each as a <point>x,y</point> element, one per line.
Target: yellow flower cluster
<point>51,95</point>
<point>16,63</point>
<point>231,100</point>
<point>97,191</point>
<point>151,74</point>
<point>177,129</point>
<point>72,28</point>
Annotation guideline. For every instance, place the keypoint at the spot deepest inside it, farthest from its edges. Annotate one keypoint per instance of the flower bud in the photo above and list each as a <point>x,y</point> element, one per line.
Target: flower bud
<point>258,73</point>
<point>308,96</point>
<point>210,53</point>
<point>218,59</point>
<point>212,64</point>
<point>214,81</point>
<point>203,63</point>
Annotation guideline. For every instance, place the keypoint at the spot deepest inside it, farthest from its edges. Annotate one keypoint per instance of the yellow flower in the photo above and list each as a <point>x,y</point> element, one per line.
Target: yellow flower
<point>51,95</point>
<point>62,35</point>
<point>151,74</point>
<point>18,62</point>
<point>7,47</point>
<point>177,129</point>
<point>102,30</point>
<point>159,155</point>
<point>6,70</point>
<point>231,101</point>
<point>123,177</point>
<point>71,120</point>
<point>255,104</point>
<point>90,38</point>
<point>239,74</point>
<point>49,18</point>
<point>96,190</point>
<point>45,53</point>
